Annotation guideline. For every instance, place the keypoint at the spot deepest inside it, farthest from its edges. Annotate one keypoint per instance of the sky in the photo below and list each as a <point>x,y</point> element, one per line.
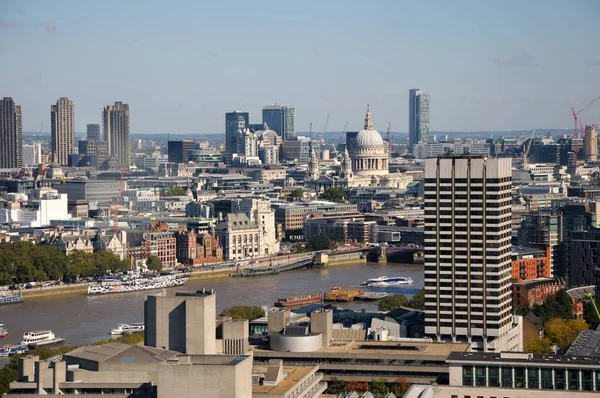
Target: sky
<point>180,65</point>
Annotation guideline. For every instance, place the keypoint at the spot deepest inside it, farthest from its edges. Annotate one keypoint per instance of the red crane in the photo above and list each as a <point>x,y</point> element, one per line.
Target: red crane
<point>575,115</point>
<point>117,202</point>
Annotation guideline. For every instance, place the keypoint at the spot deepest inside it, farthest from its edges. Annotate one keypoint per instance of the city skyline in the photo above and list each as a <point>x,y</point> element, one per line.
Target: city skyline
<point>517,76</point>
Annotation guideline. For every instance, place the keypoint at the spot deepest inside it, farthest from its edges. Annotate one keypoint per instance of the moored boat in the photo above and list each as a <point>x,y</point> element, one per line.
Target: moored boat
<point>41,338</point>
<point>8,298</point>
<point>340,294</point>
<point>299,300</point>
<point>124,328</point>
<point>3,331</point>
<point>371,296</point>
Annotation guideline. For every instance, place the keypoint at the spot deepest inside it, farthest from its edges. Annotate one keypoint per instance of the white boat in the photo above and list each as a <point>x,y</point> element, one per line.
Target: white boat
<point>385,281</point>
<point>135,283</point>
<point>124,328</point>
<point>40,338</point>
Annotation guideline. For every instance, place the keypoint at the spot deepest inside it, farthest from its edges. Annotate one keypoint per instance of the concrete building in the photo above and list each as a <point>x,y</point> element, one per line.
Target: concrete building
<point>36,210</point>
<point>418,118</point>
<point>94,191</point>
<point>93,132</point>
<point>32,154</point>
<point>179,151</point>
<point>590,143</point>
<point>234,122</point>
<point>94,153</point>
<point>585,257</point>
<point>467,253</point>
<point>182,322</point>
<point>281,119</point>
<point>11,136</point>
<point>115,126</point>
<point>62,130</point>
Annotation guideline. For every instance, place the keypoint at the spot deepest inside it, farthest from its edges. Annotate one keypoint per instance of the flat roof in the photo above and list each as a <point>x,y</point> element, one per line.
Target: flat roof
<point>294,375</point>
<point>523,359</point>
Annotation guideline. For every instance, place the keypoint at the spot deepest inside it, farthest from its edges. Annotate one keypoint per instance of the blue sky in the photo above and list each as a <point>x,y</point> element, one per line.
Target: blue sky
<point>488,65</point>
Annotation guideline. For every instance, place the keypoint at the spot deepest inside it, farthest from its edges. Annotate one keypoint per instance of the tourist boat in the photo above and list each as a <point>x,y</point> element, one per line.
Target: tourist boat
<point>7,298</point>
<point>135,283</point>
<point>40,338</point>
<point>385,281</point>
<point>339,294</point>
<point>371,296</point>
<point>124,328</point>
<point>12,349</point>
<point>302,299</point>
<point>3,331</point>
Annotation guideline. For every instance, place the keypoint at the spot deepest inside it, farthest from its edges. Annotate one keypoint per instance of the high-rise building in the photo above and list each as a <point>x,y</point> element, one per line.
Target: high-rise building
<point>234,122</point>
<point>115,121</point>
<point>468,253</point>
<point>63,130</point>
<point>281,119</point>
<point>179,151</point>
<point>93,132</point>
<point>32,153</point>
<point>590,143</point>
<point>11,135</point>
<point>418,118</point>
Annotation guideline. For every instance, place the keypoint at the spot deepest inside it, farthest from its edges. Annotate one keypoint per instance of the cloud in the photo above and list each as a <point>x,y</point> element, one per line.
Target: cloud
<point>514,60</point>
<point>8,25</point>
<point>592,63</point>
<point>48,26</point>
<point>495,98</point>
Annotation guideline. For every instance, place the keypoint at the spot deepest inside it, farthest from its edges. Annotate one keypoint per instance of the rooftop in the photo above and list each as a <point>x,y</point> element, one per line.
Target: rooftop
<point>126,352</point>
<point>294,375</point>
<point>524,358</point>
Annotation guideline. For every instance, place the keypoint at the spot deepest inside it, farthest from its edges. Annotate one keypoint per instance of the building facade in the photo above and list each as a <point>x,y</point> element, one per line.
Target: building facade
<point>468,253</point>
<point>418,118</point>
<point>179,151</point>
<point>590,143</point>
<point>234,122</point>
<point>63,130</point>
<point>161,245</point>
<point>11,134</point>
<point>32,154</point>
<point>281,119</point>
<point>115,124</point>
<point>93,132</point>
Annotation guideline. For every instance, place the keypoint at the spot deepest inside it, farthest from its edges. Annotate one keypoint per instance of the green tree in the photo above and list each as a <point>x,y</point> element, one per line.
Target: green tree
<point>336,387</point>
<point>334,194</point>
<point>558,305</point>
<point>589,313</point>
<point>417,301</point>
<point>378,386</point>
<point>153,263</point>
<point>249,312</point>
<point>175,191</point>
<point>297,193</point>
<point>320,242</point>
<point>539,345</point>
<point>564,332</point>
<point>390,303</point>
<point>80,263</point>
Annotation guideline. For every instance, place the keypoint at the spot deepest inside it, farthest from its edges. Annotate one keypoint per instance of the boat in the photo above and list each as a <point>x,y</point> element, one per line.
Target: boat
<point>124,328</point>
<point>12,349</point>
<point>385,281</point>
<point>3,331</point>
<point>302,299</point>
<point>371,296</point>
<point>8,298</point>
<point>40,338</point>
<point>340,294</point>
<point>135,283</point>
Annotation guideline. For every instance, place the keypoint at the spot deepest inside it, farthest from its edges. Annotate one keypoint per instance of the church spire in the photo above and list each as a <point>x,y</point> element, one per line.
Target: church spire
<point>368,121</point>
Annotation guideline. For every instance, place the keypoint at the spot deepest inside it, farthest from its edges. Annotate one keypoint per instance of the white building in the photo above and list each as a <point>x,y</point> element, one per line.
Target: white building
<point>368,164</point>
<point>249,231</point>
<point>429,150</point>
<point>468,253</point>
<point>44,205</point>
<point>139,200</point>
<point>32,154</point>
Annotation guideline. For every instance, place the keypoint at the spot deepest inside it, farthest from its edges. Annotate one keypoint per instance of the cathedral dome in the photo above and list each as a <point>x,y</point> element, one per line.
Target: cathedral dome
<point>368,137</point>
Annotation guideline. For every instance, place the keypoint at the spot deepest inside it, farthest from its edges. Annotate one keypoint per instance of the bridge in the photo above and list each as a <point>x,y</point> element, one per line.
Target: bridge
<point>403,254</point>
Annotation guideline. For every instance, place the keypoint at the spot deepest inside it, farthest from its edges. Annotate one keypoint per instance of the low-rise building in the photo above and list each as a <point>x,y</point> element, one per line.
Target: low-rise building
<point>535,291</point>
<point>161,245</point>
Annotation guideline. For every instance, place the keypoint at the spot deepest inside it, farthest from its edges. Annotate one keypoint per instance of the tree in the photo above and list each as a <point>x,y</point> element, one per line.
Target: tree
<point>153,263</point>
<point>249,312</point>
<point>360,387</point>
<point>175,191</point>
<point>390,303</point>
<point>564,332</point>
<point>539,346</point>
<point>400,387</point>
<point>558,305</point>
<point>379,386</point>
<point>417,301</point>
<point>297,193</point>
<point>589,313</point>
<point>334,194</point>
<point>336,387</point>
<point>320,242</point>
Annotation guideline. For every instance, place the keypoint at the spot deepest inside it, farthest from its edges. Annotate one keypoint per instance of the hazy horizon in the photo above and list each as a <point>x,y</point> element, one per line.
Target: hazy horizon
<point>487,66</point>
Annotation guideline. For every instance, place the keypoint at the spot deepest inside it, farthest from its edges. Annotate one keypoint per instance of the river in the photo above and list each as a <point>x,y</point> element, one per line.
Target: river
<point>82,319</point>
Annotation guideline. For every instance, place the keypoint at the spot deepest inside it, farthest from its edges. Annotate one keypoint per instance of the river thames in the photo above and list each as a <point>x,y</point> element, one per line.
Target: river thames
<point>83,319</point>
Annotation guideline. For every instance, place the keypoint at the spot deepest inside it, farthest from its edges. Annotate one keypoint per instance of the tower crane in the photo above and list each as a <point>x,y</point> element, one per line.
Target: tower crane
<point>324,130</point>
<point>575,115</point>
<point>526,150</point>
<point>117,201</point>
<point>389,139</point>
<point>342,138</point>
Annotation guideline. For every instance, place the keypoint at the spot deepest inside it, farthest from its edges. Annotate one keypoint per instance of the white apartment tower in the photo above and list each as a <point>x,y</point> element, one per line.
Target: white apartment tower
<point>468,253</point>
<point>63,130</point>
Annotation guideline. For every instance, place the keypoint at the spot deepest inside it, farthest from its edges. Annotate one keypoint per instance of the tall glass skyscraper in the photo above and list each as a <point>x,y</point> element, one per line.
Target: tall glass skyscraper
<point>418,118</point>
<point>281,119</point>
<point>234,122</point>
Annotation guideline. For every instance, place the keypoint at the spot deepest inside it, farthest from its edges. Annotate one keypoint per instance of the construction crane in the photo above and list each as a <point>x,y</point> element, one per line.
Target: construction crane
<point>324,130</point>
<point>526,150</point>
<point>591,297</point>
<point>342,138</point>
<point>389,139</point>
<point>117,201</point>
<point>575,116</point>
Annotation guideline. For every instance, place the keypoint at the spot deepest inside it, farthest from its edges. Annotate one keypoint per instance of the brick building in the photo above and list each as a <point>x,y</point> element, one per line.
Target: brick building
<point>530,263</point>
<point>535,291</point>
<point>161,245</point>
<point>193,249</point>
